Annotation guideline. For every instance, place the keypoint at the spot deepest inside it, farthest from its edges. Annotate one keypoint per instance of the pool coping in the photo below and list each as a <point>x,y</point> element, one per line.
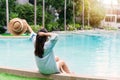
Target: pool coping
<point>14,36</point>
<point>36,74</point>
<point>90,32</point>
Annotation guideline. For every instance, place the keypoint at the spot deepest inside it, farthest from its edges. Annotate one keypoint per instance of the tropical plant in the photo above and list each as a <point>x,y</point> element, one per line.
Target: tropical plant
<point>59,6</point>
<point>36,28</point>
<point>96,11</point>
<point>109,28</point>
<point>52,26</point>
<point>3,10</point>
<point>71,27</point>
<point>13,15</point>
<point>87,27</point>
<point>25,11</point>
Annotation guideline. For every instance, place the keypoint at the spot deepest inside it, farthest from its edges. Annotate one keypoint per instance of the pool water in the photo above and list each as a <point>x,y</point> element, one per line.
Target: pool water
<point>86,54</point>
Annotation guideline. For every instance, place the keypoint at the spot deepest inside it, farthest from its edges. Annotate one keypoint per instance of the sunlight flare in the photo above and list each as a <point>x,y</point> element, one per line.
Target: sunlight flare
<point>110,2</point>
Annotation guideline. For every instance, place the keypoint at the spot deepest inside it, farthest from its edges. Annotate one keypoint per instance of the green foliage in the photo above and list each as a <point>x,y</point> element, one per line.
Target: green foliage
<point>3,10</point>
<point>48,19</point>
<point>13,15</point>
<point>39,15</point>
<point>97,13</point>
<point>25,11</point>
<point>52,26</point>
<point>87,27</point>
<point>78,7</point>
<point>71,27</point>
<point>36,28</point>
<point>93,8</point>
<point>78,26</point>
<point>2,13</point>
<point>59,6</point>
<point>109,28</point>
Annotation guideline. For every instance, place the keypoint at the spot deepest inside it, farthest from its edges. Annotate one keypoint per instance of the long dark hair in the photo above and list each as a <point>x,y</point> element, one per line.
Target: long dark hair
<point>39,44</point>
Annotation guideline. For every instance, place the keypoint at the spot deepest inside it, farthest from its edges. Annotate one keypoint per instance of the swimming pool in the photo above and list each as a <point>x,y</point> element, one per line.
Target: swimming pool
<point>86,54</point>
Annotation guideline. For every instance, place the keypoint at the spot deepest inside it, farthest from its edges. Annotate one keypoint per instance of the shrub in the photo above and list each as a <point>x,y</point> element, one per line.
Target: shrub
<point>35,28</point>
<point>25,11</point>
<point>13,15</point>
<point>52,26</point>
<point>70,27</point>
<point>78,26</point>
<point>109,28</point>
<point>87,27</point>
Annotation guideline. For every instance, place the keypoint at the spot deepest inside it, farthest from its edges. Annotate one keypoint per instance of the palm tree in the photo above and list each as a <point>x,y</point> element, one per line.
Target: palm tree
<point>7,13</point>
<point>82,14</point>
<point>43,17</point>
<point>35,13</point>
<point>74,13</point>
<point>88,13</point>
<point>65,15</point>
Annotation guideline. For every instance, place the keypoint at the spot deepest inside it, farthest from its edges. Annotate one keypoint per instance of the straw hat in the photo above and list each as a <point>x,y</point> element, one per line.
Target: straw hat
<point>17,26</point>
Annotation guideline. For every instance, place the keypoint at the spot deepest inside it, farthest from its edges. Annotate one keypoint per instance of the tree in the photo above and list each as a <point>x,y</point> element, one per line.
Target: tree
<point>59,6</point>
<point>3,10</point>
<point>25,11</point>
<point>96,11</point>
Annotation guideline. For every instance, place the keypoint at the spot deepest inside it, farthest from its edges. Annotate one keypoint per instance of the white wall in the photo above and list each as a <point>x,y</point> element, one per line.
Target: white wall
<point>113,24</point>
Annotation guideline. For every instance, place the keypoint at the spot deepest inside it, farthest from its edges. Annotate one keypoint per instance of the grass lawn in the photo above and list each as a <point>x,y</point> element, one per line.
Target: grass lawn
<point>5,76</point>
<point>7,34</point>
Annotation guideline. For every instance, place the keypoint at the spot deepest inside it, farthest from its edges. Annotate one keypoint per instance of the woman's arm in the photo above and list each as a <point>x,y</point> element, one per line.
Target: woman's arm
<point>32,34</point>
<point>51,41</point>
<point>52,36</point>
<point>30,29</point>
<point>45,34</point>
<point>28,26</point>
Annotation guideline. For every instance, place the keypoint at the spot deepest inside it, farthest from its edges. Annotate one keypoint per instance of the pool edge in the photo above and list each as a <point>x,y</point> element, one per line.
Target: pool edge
<point>14,36</point>
<point>35,73</point>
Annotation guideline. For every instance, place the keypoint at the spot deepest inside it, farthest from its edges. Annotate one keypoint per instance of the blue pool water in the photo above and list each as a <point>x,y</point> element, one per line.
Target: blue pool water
<point>86,54</point>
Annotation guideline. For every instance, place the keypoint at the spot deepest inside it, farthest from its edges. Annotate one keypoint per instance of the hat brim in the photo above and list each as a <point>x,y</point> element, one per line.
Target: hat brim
<point>11,23</point>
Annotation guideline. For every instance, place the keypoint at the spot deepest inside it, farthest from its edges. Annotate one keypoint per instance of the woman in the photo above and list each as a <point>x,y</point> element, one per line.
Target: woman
<point>46,61</point>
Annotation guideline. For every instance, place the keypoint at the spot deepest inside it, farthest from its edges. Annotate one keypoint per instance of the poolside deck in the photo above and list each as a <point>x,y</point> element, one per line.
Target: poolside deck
<point>35,73</point>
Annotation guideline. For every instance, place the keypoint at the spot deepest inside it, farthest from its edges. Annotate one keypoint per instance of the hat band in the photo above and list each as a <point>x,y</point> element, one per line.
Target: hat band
<point>20,27</point>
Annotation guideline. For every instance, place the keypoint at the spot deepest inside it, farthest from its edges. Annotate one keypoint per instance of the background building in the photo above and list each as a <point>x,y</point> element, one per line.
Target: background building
<point>112,17</point>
